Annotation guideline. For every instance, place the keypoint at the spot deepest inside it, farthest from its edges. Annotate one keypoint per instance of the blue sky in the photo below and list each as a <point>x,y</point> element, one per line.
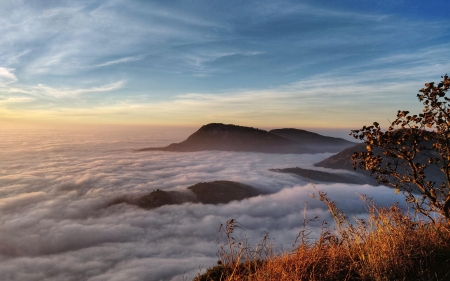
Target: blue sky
<point>304,64</point>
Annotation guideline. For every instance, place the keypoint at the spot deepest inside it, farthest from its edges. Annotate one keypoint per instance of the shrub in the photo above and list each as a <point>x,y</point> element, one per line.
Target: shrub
<point>414,147</point>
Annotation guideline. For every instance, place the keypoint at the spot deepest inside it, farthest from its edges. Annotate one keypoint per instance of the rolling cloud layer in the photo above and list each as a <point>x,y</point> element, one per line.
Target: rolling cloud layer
<point>55,187</point>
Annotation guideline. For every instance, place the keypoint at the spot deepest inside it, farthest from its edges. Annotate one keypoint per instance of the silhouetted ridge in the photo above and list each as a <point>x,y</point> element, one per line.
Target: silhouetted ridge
<point>217,136</point>
<point>312,141</point>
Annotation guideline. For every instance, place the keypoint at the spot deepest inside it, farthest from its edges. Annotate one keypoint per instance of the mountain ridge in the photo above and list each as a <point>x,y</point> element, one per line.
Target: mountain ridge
<point>229,137</point>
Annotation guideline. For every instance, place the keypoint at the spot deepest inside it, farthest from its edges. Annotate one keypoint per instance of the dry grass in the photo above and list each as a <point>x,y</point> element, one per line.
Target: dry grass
<point>389,245</point>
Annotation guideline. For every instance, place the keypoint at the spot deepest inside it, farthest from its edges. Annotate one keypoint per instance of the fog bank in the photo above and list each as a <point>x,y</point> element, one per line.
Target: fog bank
<point>55,187</point>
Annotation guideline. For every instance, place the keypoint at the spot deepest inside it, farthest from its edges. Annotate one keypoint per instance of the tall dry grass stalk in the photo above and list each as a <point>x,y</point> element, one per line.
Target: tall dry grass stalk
<point>389,245</point>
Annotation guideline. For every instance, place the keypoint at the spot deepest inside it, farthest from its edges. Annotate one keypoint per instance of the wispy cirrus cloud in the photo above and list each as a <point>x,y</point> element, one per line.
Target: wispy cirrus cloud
<point>340,97</point>
<point>64,92</point>
<point>303,104</point>
<point>304,63</point>
<point>43,91</point>
<point>122,60</point>
<point>16,100</point>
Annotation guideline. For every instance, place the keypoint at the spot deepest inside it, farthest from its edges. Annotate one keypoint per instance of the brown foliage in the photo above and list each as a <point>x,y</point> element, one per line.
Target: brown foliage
<point>410,146</point>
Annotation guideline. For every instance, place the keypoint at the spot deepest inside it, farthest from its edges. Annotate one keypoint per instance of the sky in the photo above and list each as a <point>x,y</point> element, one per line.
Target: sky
<point>304,64</point>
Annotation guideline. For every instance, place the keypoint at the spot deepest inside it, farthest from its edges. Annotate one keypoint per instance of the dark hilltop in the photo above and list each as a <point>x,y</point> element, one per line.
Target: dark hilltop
<point>217,136</point>
<point>342,159</point>
<point>215,192</point>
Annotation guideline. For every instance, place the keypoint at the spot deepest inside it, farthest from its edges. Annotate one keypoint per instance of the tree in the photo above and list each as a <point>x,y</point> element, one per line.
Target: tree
<point>412,148</point>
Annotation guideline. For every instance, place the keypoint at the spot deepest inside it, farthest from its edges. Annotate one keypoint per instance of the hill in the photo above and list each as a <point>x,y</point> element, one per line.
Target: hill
<point>313,141</point>
<point>217,136</point>
<point>215,192</point>
<point>342,160</point>
<point>222,192</point>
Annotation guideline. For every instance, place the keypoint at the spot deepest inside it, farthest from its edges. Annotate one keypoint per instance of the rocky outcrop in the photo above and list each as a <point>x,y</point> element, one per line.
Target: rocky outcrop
<point>217,136</point>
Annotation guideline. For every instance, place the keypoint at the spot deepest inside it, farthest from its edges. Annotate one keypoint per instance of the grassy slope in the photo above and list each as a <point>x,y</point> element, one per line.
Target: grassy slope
<point>389,245</point>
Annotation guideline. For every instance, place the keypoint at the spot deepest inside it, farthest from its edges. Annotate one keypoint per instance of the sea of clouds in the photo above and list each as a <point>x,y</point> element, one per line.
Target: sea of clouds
<point>56,186</point>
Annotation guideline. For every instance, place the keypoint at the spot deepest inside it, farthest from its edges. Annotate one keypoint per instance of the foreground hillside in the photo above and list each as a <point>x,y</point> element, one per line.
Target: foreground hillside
<point>217,136</point>
<point>389,245</point>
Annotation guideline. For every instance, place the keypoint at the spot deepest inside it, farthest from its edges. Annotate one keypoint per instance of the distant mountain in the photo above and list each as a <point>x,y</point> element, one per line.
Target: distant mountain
<point>313,141</point>
<point>342,160</point>
<point>216,192</point>
<point>217,136</point>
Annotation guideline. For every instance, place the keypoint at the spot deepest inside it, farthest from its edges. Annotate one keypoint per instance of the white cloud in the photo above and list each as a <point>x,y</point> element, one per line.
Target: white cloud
<point>122,60</point>
<point>69,37</point>
<point>7,75</point>
<point>351,97</point>
<point>62,92</point>
<point>73,40</point>
<point>309,103</point>
<point>21,200</point>
<point>16,100</point>
<point>47,92</point>
<point>56,185</point>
